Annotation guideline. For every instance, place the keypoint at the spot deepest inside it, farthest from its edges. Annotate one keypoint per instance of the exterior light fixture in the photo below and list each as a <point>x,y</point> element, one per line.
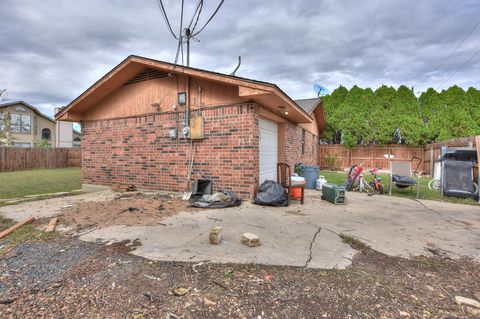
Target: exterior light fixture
<point>182,98</point>
<point>286,112</point>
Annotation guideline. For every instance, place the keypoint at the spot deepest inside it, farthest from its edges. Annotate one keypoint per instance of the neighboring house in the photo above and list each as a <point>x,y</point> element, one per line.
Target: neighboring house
<point>67,135</point>
<point>26,126</point>
<point>77,138</point>
<point>134,121</point>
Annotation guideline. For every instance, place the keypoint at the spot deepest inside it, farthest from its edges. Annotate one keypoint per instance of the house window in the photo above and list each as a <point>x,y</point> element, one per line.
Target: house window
<point>21,124</point>
<point>303,142</point>
<point>46,134</point>
<point>22,145</point>
<point>2,121</point>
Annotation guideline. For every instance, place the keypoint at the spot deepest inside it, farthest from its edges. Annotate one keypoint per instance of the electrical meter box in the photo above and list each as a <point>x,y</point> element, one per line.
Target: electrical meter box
<point>196,128</point>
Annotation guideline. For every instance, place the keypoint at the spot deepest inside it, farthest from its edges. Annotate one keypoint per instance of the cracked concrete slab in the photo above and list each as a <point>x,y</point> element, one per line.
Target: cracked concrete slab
<point>295,235</point>
<point>285,239</point>
<point>51,207</point>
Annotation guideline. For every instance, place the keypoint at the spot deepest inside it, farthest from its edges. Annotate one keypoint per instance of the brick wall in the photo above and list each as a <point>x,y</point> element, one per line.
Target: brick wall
<point>293,146</point>
<point>137,150</point>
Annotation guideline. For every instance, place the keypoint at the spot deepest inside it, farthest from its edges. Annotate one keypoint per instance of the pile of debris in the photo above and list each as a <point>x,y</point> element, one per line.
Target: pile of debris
<point>221,199</point>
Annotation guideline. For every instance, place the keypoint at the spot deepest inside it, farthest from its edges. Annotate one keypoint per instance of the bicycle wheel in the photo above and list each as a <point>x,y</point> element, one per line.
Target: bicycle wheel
<point>434,184</point>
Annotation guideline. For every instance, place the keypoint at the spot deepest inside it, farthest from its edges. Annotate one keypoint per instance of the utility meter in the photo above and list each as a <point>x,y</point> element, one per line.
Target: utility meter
<point>185,131</point>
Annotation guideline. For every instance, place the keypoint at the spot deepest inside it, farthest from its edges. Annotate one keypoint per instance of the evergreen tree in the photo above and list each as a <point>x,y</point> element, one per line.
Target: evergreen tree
<point>364,116</point>
<point>407,116</point>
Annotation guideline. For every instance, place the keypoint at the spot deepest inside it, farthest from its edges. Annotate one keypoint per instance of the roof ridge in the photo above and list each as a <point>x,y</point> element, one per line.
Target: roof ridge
<point>308,98</point>
<point>29,106</point>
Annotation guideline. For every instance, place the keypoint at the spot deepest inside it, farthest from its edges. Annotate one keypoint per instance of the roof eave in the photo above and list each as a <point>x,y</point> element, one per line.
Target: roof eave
<point>273,88</point>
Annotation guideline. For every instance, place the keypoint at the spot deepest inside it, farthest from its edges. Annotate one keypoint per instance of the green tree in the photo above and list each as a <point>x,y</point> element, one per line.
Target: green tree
<point>473,105</point>
<point>361,115</point>
<point>352,116</point>
<point>454,118</point>
<point>407,116</point>
<point>332,104</point>
<point>382,114</point>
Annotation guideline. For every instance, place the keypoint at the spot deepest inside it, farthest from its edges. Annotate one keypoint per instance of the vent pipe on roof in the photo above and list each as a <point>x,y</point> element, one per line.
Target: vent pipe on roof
<point>239,63</point>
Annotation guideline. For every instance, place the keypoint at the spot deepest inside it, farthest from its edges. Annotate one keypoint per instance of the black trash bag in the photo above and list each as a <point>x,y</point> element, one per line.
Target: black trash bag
<point>271,193</point>
<point>403,181</point>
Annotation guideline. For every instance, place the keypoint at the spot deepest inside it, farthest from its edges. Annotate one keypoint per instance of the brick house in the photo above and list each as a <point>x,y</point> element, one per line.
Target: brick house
<point>135,121</point>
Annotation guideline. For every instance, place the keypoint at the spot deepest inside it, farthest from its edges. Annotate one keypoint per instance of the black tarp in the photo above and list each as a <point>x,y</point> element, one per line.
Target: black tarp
<point>228,199</point>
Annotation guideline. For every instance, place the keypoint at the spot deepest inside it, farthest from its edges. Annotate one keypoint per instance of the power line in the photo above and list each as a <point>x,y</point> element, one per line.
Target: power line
<point>463,65</point>
<point>198,16</point>
<point>458,45</point>
<point>186,34</point>
<point>208,21</point>
<point>165,17</point>
<point>198,10</point>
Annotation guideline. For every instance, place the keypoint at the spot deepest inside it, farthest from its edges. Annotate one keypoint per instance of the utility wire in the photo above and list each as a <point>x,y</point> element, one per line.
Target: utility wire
<point>195,17</point>
<point>463,65</point>
<point>458,45</point>
<point>198,10</point>
<point>210,19</point>
<point>198,17</point>
<point>165,17</point>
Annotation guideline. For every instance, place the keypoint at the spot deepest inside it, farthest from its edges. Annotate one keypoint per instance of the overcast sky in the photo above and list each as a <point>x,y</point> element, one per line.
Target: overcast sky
<point>52,50</point>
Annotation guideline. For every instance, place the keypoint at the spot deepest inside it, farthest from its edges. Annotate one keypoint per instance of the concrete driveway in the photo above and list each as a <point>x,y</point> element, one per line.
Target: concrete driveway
<point>305,236</point>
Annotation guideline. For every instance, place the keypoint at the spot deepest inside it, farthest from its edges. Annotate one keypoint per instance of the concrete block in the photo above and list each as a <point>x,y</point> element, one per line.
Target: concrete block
<point>250,240</point>
<point>216,235</point>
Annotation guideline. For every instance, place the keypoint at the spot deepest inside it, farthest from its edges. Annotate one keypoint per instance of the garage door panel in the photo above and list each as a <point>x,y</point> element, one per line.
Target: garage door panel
<point>268,150</point>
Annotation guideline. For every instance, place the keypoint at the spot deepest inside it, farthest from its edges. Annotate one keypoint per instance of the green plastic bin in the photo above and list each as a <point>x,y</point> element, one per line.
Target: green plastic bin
<point>335,194</point>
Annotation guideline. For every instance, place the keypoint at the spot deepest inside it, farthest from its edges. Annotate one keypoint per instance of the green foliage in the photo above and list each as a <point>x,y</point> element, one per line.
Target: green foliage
<point>331,161</point>
<point>42,144</point>
<point>353,242</point>
<point>363,116</point>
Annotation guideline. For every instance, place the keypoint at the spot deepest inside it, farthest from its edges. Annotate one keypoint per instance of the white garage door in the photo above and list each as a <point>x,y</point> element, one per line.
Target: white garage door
<point>268,150</point>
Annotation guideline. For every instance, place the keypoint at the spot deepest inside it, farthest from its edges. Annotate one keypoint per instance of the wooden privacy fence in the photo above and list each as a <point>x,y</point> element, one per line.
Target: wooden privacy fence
<point>372,155</point>
<point>17,159</point>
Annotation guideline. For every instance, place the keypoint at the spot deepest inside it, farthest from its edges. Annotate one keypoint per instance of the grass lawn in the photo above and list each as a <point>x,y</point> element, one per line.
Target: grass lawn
<point>425,192</point>
<point>39,181</point>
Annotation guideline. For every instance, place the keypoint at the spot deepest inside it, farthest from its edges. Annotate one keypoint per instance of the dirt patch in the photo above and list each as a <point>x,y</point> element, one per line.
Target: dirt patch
<point>5,223</point>
<point>125,209</point>
<point>66,278</point>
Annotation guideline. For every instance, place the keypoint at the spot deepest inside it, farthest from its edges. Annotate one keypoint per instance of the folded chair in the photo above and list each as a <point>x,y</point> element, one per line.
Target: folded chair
<point>284,174</point>
<point>401,175</point>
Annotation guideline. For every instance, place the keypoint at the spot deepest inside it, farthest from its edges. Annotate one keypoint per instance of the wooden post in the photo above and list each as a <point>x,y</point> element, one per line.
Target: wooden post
<point>477,145</point>
<point>431,161</point>
<point>350,157</point>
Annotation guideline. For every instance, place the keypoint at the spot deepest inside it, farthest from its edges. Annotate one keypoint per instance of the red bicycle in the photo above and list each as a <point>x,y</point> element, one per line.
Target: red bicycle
<point>356,181</point>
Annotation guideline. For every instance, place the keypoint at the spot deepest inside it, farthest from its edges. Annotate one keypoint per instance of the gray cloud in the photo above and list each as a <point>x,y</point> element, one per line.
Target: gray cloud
<point>52,50</point>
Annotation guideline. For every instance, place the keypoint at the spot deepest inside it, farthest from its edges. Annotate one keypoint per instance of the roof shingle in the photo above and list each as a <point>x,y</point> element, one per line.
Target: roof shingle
<point>308,105</point>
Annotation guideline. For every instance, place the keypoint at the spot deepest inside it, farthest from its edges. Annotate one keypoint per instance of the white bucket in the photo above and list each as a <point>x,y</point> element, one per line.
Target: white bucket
<point>320,182</point>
